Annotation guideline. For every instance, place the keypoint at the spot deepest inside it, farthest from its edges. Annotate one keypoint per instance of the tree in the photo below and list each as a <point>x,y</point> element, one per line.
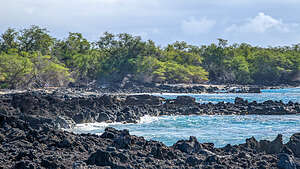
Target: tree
<point>35,39</point>
<point>48,71</point>
<point>14,69</point>
<point>9,40</point>
<point>120,53</point>
<point>68,49</point>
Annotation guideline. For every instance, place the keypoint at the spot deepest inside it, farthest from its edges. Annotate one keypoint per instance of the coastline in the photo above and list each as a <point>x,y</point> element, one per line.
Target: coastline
<point>31,123</point>
<point>25,147</point>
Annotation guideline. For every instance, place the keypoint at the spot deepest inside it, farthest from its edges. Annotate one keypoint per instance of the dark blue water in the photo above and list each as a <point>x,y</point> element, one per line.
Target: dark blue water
<point>217,129</point>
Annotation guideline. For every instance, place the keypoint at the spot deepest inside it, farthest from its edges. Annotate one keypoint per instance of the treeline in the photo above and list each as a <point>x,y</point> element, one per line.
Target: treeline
<point>32,58</point>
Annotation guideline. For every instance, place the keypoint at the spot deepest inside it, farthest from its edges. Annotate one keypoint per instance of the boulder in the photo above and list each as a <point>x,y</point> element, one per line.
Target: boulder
<point>103,117</point>
<point>294,144</point>
<point>188,146</point>
<point>240,101</point>
<point>185,100</point>
<point>106,100</point>
<point>112,159</point>
<point>272,147</point>
<point>143,100</point>
<point>193,160</point>
<point>49,163</point>
<point>79,117</point>
<point>24,164</point>
<point>286,161</point>
<point>79,165</point>
<point>64,122</point>
<point>100,158</point>
<point>123,141</point>
<point>36,121</point>
<point>110,133</point>
<point>254,90</point>
<point>252,143</point>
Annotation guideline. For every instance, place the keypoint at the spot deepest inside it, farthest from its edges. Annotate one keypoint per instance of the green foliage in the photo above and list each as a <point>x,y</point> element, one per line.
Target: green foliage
<point>120,53</point>
<point>25,70</point>
<point>14,69</point>
<point>9,40</point>
<point>32,58</point>
<point>244,64</point>
<point>35,39</point>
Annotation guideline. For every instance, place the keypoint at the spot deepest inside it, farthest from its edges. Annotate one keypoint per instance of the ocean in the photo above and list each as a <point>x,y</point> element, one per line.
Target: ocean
<point>217,129</point>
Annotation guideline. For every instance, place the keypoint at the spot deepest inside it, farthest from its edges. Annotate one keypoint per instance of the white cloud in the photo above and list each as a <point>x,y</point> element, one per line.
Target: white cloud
<point>193,26</point>
<point>163,21</point>
<point>260,24</point>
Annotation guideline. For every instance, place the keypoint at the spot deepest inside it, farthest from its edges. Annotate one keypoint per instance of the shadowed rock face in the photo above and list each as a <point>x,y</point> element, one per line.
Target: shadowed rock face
<point>294,144</point>
<point>25,147</point>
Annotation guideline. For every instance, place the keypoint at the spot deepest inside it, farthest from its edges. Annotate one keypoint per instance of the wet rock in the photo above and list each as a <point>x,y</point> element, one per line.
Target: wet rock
<point>24,154</point>
<point>79,165</point>
<point>123,140</point>
<point>294,144</point>
<point>212,159</point>
<point>64,122</point>
<point>192,160</point>
<point>244,155</point>
<point>111,149</point>
<point>49,164</point>
<point>188,146</point>
<point>252,143</point>
<point>103,117</point>
<point>109,132</point>
<point>272,147</point>
<point>79,118</point>
<point>24,164</point>
<point>286,161</point>
<point>37,121</point>
<point>287,150</point>
<point>185,100</point>
<point>254,90</point>
<point>65,143</point>
<point>143,99</point>
<point>2,138</point>
<point>106,100</point>
<point>103,158</point>
<point>240,101</point>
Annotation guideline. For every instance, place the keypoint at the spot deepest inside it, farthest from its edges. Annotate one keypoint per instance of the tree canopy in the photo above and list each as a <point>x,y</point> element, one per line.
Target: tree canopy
<point>31,57</point>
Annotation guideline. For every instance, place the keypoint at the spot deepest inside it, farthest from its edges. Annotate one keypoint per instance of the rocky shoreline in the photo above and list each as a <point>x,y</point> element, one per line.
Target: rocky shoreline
<point>63,109</point>
<point>23,147</point>
<point>131,87</point>
<point>127,86</point>
<point>30,134</point>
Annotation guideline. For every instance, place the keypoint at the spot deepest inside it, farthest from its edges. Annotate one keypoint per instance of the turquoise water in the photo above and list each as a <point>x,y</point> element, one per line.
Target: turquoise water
<point>217,129</point>
<point>286,95</point>
<point>220,130</point>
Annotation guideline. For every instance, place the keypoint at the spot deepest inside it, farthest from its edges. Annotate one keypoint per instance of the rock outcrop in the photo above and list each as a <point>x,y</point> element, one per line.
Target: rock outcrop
<point>23,146</point>
<point>64,110</point>
<point>30,134</point>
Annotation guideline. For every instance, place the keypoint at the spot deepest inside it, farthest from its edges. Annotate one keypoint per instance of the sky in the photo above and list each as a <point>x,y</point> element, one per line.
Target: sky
<point>198,22</point>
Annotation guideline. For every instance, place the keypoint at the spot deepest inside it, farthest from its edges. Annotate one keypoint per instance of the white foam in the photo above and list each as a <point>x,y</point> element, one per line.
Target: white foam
<point>88,127</point>
<point>148,119</point>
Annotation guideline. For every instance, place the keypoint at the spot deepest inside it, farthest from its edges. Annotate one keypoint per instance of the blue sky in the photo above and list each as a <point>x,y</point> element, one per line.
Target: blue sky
<point>258,22</point>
